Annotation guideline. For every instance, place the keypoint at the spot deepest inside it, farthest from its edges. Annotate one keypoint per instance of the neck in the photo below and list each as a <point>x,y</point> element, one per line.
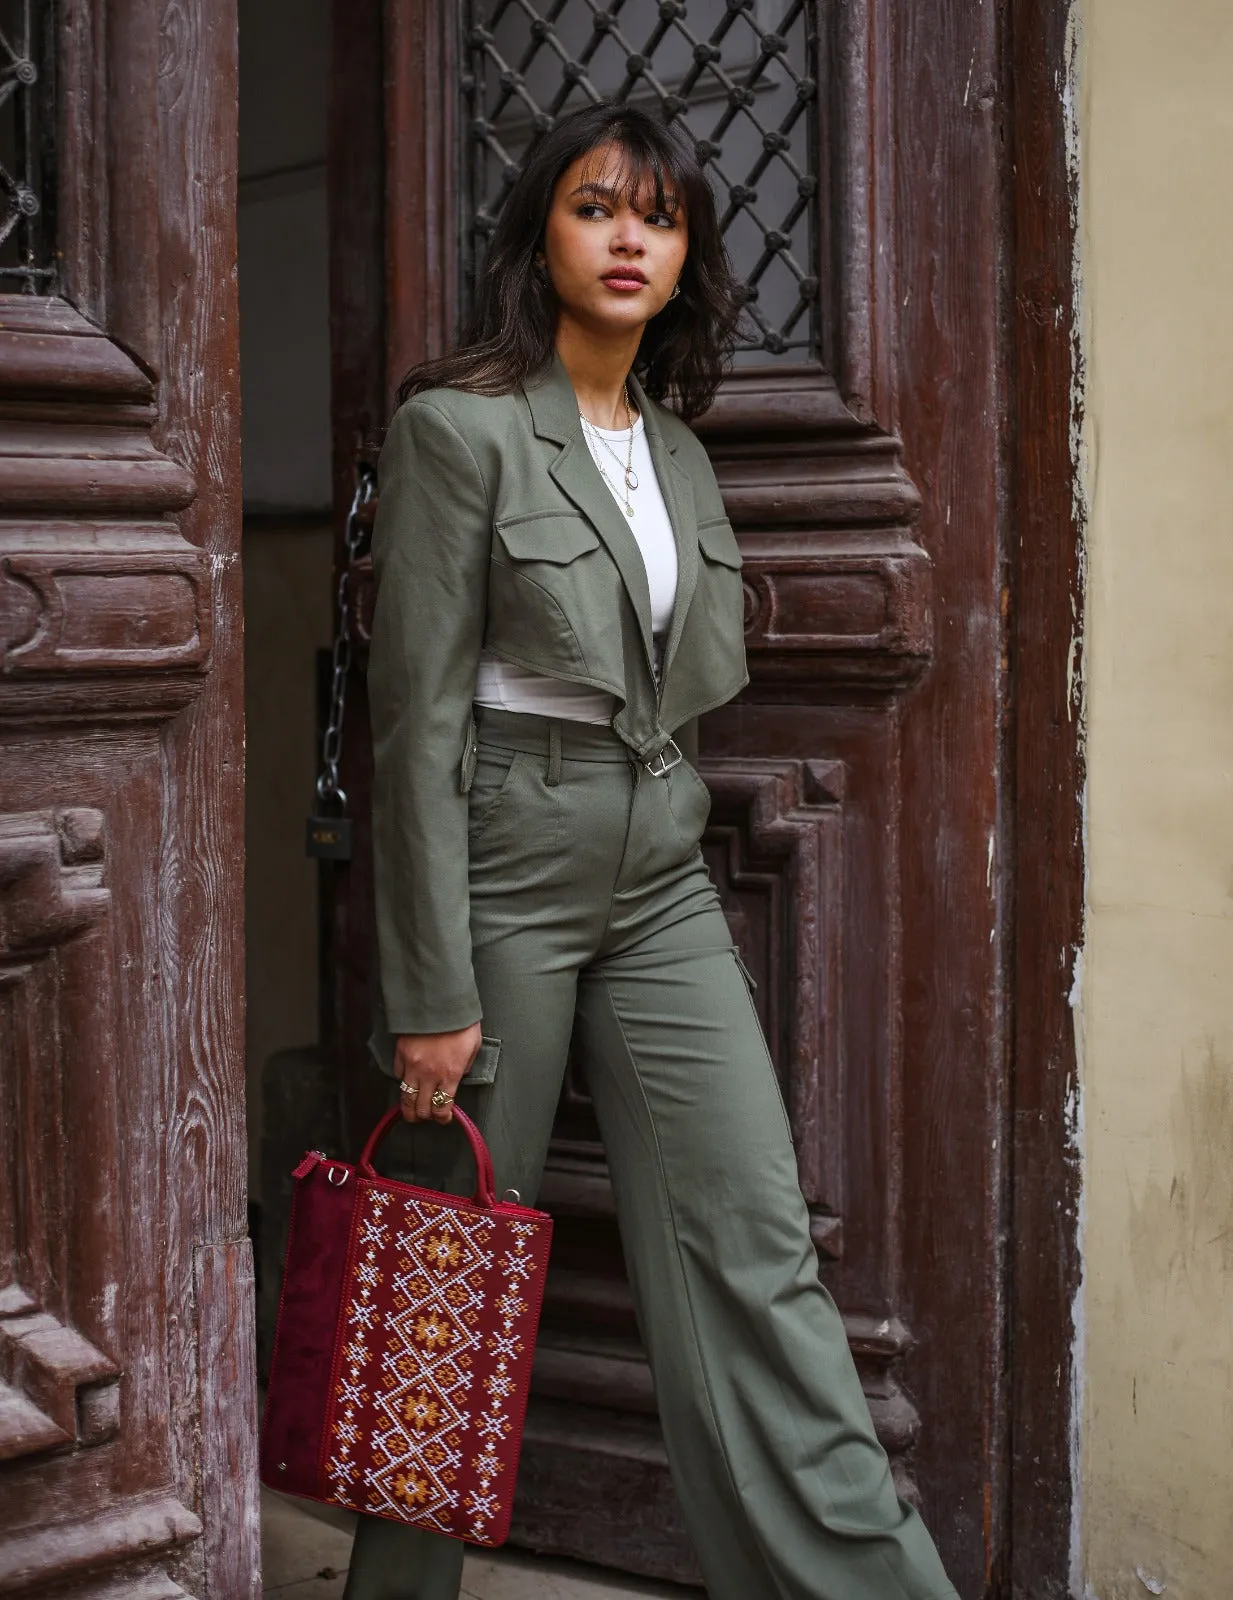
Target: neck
<point>598,365</point>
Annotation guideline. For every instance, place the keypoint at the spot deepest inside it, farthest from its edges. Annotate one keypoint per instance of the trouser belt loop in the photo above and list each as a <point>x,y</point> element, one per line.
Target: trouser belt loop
<point>554,754</point>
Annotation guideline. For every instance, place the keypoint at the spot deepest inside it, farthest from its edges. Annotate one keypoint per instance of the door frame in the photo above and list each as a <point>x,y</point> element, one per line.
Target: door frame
<point>379,215</point>
<point>1044,891</point>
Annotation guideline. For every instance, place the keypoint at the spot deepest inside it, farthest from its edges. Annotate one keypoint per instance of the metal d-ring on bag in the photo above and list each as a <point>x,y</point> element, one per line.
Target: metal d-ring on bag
<point>406,1331</point>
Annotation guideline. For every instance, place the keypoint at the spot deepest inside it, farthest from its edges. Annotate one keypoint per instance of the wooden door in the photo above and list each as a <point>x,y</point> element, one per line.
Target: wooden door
<point>856,832</point>
<point>127,1402</point>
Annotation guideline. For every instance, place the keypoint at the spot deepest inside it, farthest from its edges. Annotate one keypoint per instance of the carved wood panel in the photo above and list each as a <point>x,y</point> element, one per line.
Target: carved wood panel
<point>58,1384</point>
<point>774,845</point>
<point>83,1263</point>
<point>127,1403</point>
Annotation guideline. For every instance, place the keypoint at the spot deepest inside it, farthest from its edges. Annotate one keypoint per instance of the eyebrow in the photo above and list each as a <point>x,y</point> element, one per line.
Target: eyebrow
<point>605,191</point>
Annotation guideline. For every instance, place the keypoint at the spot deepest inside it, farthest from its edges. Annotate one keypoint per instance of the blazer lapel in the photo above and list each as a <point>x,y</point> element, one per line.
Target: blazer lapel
<point>678,496</point>
<point>575,472</point>
<point>554,415</point>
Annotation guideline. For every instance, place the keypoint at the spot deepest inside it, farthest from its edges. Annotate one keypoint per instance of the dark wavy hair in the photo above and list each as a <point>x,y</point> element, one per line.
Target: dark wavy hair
<point>685,348</point>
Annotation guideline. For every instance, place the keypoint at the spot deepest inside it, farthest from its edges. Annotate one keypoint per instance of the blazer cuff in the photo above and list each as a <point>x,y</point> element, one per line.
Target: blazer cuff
<point>433,1019</point>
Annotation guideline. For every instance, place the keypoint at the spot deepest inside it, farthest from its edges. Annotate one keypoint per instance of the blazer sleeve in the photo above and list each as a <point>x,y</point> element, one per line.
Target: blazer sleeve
<point>430,555</point>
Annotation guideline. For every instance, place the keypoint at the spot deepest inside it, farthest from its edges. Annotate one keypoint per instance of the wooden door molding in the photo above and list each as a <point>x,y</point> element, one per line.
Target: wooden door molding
<point>105,606</point>
<point>837,591</point>
<point>127,1395</point>
<point>56,1318</point>
<point>1045,875</point>
<point>421,188</point>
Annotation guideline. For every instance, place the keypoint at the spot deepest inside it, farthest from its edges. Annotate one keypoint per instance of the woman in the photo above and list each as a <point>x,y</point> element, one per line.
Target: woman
<point>558,598</point>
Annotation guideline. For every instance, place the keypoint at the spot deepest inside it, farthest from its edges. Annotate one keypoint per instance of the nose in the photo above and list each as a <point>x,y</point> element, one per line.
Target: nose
<point>629,238</point>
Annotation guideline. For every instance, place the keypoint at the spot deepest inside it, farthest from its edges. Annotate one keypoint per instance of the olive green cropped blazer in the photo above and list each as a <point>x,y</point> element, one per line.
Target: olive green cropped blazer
<point>495,529</point>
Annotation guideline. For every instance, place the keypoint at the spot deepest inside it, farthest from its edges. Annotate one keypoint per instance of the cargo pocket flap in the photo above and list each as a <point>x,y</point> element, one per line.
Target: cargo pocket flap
<point>484,1067</point>
<point>558,539</point>
<point>381,1046</point>
<point>718,543</point>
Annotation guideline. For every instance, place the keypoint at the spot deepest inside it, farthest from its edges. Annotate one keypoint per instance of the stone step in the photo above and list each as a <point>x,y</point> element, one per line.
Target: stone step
<point>305,1550</point>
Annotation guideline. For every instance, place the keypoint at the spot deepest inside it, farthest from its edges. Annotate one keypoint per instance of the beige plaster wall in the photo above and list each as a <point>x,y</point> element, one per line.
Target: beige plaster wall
<point>1156,118</point>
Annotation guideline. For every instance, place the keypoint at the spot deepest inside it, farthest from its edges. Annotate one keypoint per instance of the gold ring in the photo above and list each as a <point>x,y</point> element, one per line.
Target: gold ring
<point>440,1098</point>
<point>410,1089</point>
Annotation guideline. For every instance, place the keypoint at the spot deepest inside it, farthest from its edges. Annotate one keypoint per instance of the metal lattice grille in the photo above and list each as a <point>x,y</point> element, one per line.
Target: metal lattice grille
<point>736,75</point>
<point>26,120</point>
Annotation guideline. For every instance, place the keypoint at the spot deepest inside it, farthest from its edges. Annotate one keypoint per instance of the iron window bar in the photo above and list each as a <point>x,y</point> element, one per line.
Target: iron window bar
<point>26,117</point>
<point>504,107</point>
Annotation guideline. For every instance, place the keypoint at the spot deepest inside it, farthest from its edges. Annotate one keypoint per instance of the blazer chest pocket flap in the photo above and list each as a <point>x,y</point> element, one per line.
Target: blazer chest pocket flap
<point>718,543</point>
<point>555,539</point>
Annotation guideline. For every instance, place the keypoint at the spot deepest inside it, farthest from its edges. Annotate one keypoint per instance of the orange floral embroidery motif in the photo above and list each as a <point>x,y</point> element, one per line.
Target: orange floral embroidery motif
<point>441,1251</point>
<point>410,1488</point>
<point>433,1331</point>
<point>420,1410</point>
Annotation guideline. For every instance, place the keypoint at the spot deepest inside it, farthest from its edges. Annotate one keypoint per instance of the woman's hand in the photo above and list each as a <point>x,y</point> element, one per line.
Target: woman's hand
<point>428,1062</point>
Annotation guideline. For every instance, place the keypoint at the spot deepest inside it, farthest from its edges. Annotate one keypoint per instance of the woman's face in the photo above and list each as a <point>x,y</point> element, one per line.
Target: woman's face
<point>613,261</point>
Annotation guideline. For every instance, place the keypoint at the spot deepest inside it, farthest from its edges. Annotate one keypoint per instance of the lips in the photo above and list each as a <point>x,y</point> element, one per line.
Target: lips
<point>625,278</point>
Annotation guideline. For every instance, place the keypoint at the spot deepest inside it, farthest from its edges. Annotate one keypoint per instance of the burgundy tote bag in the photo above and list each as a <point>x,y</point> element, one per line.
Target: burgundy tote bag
<point>402,1358</point>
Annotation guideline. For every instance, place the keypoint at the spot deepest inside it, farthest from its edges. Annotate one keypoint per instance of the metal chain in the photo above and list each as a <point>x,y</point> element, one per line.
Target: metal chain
<point>328,788</point>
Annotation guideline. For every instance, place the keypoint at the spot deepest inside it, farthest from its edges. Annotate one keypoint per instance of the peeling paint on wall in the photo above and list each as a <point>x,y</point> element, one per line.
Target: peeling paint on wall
<point>1080,458</point>
<point>1153,1336</point>
<point>1181,1234</point>
<point>1078,1351</point>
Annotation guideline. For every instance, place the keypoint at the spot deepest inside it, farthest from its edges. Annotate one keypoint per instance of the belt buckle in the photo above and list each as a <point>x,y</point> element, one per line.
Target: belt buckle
<point>665,765</point>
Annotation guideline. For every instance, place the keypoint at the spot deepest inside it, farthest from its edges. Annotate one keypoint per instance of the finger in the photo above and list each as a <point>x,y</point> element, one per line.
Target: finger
<point>408,1095</point>
<point>423,1101</point>
<point>437,1101</point>
<point>450,1084</point>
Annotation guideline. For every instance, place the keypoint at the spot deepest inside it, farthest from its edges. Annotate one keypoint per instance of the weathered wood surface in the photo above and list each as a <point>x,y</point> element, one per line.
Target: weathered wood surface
<point>126,1305</point>
<point>421,209</point>
<point>141,1529</point>
<point>226,1341</point>
<point>200,878</point>
<point>39,363</point>
<point>949,170</point>
<point>1045,775</point>
<point>58,1313</point>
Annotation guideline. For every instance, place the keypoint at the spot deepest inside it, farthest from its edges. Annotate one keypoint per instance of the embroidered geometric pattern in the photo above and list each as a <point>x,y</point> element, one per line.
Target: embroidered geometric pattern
<point>437,1329</point>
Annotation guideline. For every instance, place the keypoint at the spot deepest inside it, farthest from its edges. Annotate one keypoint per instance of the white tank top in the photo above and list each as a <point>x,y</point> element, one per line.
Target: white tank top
<point>507,687</point>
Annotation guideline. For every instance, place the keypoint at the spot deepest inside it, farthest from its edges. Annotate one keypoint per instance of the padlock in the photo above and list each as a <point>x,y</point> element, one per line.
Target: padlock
<point>329,838</point>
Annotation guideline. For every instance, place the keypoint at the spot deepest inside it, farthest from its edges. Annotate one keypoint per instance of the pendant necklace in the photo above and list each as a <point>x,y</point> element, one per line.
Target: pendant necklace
<point>627,467</point>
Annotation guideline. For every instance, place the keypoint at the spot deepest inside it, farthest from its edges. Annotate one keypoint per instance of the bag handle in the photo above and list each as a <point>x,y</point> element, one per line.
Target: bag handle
<point>486,1184</point>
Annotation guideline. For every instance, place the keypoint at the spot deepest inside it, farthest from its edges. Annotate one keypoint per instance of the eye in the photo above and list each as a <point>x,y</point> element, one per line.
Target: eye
<point>590,209</point>
<point>661,219</point>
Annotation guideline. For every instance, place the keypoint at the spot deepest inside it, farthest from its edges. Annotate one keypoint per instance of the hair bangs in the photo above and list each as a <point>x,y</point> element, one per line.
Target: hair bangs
<point>686,347</point>
<point>636,172</point>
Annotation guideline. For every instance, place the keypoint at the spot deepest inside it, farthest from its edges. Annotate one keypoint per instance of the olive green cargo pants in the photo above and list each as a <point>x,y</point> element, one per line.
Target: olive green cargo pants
<point>590,900</point>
